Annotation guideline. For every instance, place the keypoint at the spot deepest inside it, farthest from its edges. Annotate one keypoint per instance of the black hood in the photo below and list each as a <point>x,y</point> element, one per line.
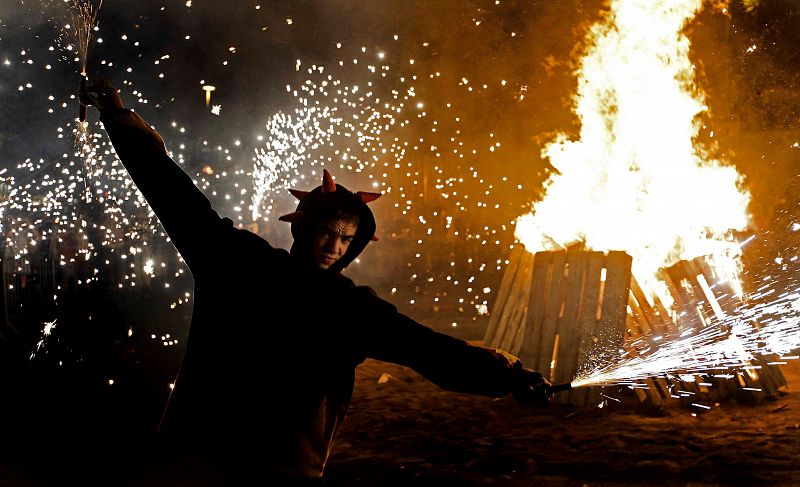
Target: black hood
<point>317,206</point>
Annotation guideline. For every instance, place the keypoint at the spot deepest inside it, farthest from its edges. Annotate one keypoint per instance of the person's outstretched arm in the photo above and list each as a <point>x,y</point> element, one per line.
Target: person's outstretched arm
<point>453,364</point>
<point>182,208</point>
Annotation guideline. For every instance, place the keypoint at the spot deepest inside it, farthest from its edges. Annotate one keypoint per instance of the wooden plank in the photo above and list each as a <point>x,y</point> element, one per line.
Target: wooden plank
<point>721,385</point>
<point>645,320</point>
<point>752,383</point>
<point>567,326</point>
<point>700,296</point>
<point>588,325</point>
<point>638,327</point>
<point>641,325</point>
<point>502,295</point>
<point>724,293</point>
<point>653,321</point>
<point>537,300</point>
<point>516,320</point>
<point>614,309</point>
<point>694,318</point>
<point>767,376</point>
<point>615,297</point>
<point>668,277</point>
<point>632,326</point>
<point>780,379</point>
<point>680,304</point>
<point>692,391</point>
<point>555,299</point>
<point>668,325</point>
<point>516,344</point>
<point>698,266</point>
<point>517,298</point>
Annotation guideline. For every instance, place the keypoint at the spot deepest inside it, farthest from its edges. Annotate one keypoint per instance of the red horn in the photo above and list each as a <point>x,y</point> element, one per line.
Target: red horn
<point>367,197</point>
<point>298,194</point>
<point>374,238</point>
<point>291,217</point>
<point>328,186</point>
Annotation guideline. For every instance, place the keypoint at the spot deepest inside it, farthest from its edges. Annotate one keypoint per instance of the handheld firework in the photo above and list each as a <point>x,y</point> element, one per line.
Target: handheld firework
<point>81,106</point>
<point>567,386</point>
<point>84,18</point>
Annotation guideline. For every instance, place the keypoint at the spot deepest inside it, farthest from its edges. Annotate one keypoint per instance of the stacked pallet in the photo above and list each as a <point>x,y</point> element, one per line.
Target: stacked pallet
<point>561,311</point>
<point>557,310</point>
<point>704,298</point>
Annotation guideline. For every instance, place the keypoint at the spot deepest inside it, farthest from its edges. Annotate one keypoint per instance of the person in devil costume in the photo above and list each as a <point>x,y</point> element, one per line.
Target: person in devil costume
<point>276,336</point>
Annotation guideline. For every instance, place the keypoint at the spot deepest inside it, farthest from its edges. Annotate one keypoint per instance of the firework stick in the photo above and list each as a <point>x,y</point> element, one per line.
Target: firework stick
<point>81,106</point>
<point>567,386</point>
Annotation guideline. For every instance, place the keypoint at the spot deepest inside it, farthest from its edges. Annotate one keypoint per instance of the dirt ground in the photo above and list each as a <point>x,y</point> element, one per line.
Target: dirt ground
<point>406,431</point>
<point>403,430</point>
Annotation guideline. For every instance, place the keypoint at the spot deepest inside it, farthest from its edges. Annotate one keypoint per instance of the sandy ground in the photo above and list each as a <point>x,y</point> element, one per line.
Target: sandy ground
<point>406,431</point>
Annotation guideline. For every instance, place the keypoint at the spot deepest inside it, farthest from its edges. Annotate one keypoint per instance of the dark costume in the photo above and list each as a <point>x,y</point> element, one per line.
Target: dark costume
<point>274,341</point>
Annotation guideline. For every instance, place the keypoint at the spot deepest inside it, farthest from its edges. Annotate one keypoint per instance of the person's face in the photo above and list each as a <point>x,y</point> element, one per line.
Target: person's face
<point>331,241</point>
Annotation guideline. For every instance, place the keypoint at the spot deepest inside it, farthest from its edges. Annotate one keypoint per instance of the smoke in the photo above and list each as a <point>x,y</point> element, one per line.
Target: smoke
<point>32,13</point>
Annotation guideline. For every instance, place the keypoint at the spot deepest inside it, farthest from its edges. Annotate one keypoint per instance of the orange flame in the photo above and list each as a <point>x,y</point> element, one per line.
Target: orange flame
<point>635,180</point>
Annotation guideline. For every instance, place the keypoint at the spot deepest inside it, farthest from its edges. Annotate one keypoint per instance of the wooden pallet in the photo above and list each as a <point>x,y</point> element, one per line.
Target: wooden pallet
<point>704,298</point>
<point>559,310</point>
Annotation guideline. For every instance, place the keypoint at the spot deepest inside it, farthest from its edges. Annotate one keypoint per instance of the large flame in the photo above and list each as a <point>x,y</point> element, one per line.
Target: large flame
<point>636,180</point>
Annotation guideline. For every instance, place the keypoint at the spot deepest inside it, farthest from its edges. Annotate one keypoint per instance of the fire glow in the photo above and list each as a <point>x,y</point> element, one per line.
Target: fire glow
<point>636,179</point>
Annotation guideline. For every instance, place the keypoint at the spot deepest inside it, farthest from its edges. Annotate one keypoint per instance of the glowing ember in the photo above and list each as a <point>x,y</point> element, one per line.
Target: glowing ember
<point>635,180</point>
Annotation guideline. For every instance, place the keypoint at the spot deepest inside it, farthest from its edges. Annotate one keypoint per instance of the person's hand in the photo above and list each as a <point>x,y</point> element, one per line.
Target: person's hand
<point>101,94</point>
<point>530,386</point>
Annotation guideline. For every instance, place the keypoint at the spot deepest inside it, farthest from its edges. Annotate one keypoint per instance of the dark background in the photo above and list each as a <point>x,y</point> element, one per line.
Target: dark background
<point>104,332</point>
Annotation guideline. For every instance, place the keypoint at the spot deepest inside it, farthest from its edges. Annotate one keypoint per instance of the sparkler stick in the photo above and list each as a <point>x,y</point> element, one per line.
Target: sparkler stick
<point>84,16</point>
<point>561,387</point>
<point>81,106</point>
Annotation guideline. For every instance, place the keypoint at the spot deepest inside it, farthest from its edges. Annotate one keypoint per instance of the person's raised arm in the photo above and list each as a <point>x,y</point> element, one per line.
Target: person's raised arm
<point>182,208</point>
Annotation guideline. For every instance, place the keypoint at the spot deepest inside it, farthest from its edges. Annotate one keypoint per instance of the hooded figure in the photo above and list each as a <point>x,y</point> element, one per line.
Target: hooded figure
<point>276,336</point>
<point>331,202</point>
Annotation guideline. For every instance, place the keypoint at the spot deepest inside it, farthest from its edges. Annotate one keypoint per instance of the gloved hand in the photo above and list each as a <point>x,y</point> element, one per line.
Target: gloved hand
<point>530,386</point>
<point>102,94</point>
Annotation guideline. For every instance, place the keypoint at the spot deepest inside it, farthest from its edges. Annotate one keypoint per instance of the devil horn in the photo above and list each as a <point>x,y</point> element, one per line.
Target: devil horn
<point>291,217</point>
<point>374,238</point>
<point>367,197</point>
<point>298,194</point>
<point>328,185</point>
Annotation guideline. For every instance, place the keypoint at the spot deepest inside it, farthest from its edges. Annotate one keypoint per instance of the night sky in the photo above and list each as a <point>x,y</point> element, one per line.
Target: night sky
<point>474,87</point>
